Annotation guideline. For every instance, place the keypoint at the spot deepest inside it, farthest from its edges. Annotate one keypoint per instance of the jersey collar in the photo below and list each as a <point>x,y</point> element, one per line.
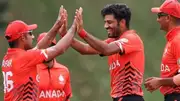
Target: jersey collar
<point>12,50</point>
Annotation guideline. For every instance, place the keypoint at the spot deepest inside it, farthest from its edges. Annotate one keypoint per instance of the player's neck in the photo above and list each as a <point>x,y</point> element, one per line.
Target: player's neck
<point>122,31</point>
<point>20,46</point>
<point>172,26</point>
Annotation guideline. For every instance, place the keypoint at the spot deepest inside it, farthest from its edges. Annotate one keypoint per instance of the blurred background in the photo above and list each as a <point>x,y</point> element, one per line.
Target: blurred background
<point>89,74</point>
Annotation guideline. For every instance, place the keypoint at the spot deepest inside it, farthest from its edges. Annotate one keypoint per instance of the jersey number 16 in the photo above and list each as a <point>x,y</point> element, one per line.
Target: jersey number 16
<point>8,84</point>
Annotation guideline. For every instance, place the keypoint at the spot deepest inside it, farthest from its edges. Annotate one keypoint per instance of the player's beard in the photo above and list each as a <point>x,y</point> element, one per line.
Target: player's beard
<point>164,28</point>
<point>28,43</point>
<point>116,32</point>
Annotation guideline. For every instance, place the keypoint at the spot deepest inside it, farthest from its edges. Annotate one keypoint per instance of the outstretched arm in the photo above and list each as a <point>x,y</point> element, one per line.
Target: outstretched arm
<point>83,48</point>
<point>62,44</point>
<point>99,45</point>
<point>76,44</point>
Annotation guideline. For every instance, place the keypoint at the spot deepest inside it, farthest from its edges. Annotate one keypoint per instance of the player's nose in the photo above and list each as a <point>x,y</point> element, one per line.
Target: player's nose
<point>33,36</point>
<point>106,26</point>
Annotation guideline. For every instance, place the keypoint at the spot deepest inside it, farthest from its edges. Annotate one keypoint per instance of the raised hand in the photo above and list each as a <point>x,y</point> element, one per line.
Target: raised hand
<point>61,16</point>
<point>74,24</point>
<point>63,30</point>
<point>79,19</point>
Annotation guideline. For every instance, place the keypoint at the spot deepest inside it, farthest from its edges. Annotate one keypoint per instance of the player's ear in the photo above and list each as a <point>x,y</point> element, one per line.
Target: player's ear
<point>122,22</point>
<point>171,18</point>
<point>23,38</point>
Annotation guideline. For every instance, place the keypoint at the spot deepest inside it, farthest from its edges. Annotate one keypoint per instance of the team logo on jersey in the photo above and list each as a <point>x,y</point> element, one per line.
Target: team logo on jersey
<point>124,40</point>
<point>120,42</point>
<point>61,79</point>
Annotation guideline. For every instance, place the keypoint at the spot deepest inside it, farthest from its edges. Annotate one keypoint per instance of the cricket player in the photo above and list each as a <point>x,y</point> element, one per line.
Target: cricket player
<point>123,47</point>
<point>20,62</point>
<point>54,79</point>
<point>169,81</point>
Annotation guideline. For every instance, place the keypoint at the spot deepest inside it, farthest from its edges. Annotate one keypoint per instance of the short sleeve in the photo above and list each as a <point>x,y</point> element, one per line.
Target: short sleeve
<point>31,58</point>
<point>129,43</point>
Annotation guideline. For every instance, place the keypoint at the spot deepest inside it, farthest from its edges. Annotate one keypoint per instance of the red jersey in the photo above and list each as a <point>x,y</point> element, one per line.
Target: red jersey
<point>54,83</point>
<point>171,60</point>
<point>19,73</point>
<point>127,67</point>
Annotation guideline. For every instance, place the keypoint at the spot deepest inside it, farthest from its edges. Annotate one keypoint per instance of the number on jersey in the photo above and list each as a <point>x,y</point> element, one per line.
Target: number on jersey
<point>8,84</point>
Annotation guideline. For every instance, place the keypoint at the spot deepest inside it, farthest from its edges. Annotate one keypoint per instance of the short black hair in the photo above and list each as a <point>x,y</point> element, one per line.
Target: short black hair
<point>12,44</point>
<point>119,10</point>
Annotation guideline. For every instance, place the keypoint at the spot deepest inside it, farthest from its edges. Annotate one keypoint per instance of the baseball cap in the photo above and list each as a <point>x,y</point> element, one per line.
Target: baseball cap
<point>17,28</point>
<point>42,35</point>
<point>171,7</point>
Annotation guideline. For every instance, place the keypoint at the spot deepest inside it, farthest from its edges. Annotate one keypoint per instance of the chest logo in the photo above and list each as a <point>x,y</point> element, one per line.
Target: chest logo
<point>123,40</point>
<point>61,79</point>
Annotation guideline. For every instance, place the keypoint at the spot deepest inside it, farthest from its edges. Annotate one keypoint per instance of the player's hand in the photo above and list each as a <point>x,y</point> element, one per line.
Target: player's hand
<point>73,27</point>
<point>63,30</point>
<point>79,19</point>
<point>61,16</point>
<point>152,83</point>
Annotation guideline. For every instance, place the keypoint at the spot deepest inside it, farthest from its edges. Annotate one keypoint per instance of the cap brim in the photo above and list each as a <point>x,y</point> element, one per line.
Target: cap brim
<point>32,27</point>
<point>155,10</point>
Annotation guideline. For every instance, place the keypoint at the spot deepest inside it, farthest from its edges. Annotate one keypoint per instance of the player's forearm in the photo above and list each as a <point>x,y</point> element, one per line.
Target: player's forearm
<point>79,46</point>
<point>62,44</point>
<point>82,48</point>
<point>97,44</point>
<point>167,82</point>
<point>66,41</point>
<point>46,41</point>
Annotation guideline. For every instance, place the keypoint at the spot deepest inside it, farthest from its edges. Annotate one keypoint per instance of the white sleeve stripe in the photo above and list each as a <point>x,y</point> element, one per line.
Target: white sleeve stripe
<point>120,45</point>
<point>44,53</point>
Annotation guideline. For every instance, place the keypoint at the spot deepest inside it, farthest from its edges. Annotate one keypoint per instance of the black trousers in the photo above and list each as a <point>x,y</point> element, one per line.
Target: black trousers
<point>129,98</point>
<point>172,97</point>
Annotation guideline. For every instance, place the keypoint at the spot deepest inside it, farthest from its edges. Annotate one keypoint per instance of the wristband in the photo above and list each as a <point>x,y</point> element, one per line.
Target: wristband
<point>82,34</point>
